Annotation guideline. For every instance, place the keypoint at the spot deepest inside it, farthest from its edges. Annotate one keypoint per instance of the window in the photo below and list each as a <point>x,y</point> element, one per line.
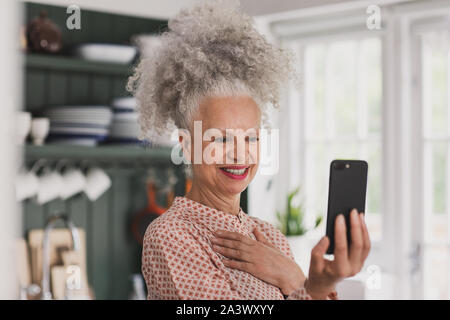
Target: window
<point>436,164</point>
<point>383,97</point>
<point>342,120</point>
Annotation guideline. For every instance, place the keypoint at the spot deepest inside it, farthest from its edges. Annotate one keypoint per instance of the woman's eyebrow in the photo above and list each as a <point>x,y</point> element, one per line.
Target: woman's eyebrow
<point>236,129</point>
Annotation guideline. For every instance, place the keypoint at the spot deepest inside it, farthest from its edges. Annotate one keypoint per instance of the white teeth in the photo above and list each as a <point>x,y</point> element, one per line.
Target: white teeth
<point>236,172</point>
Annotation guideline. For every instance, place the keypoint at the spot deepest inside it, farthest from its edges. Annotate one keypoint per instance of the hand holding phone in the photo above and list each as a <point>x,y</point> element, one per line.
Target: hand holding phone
<point>324,274</point>
<point>347,235</point>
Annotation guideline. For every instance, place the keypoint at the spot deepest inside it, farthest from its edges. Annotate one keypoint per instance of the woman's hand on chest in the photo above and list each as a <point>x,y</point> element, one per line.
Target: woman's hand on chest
<point>260,258</point>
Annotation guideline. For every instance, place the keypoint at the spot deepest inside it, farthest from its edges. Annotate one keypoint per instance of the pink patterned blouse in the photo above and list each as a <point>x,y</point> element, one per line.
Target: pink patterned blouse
<point>178,261</point>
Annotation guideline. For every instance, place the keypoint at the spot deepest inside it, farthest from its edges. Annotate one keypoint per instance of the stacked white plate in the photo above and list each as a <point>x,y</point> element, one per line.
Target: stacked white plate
<point>81,125</point>
<point>124,104</point>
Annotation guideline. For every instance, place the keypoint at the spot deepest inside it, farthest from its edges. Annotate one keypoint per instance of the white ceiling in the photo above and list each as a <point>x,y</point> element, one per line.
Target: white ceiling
<point>264,7</point>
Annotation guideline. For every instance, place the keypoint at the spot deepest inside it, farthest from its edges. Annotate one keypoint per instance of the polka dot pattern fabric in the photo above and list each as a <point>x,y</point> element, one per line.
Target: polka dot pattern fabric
<point>178,261</point>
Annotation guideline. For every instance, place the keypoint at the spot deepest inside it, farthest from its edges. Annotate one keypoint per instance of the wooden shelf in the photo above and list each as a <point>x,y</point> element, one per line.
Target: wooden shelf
<point>109,153</point>
<point>68,63</point>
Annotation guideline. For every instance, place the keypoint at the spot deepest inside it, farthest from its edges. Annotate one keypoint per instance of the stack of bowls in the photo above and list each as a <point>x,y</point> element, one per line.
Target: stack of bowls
<point>124,126</point>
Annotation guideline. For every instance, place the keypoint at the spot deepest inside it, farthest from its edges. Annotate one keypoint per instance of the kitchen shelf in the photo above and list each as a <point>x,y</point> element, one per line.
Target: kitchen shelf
<point>55,80</point>
<point>110,153</point>
<point>68,63</point>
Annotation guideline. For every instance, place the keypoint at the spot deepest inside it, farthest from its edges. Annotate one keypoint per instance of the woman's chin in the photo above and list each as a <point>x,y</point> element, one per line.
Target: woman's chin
<point>233,183</point>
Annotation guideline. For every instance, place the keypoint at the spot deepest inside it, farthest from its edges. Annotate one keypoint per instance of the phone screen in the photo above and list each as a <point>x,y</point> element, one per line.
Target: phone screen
<point>347,190</point>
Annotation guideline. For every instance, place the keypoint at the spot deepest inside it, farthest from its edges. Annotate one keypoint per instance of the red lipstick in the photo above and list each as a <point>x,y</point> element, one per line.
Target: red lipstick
<point>235,176</point>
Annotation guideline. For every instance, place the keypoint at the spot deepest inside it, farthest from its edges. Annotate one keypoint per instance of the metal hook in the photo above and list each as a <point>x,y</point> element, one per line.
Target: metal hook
<point>84,164</point>
<point>60,164</point>
<point>38,164</point>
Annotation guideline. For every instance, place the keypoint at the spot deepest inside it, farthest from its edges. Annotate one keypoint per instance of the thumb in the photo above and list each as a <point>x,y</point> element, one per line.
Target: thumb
<point>317,260</point>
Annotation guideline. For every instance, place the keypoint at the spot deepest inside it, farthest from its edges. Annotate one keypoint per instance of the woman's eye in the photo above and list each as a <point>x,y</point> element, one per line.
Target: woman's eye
<point>253,139</point>
<point>221,139</point>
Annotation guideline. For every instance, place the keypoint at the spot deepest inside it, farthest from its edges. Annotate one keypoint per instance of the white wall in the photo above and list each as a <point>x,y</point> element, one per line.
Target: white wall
<point>10,101</point>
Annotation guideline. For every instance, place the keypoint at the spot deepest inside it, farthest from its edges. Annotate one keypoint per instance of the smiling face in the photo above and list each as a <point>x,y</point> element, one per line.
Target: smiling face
<point>237,119</point>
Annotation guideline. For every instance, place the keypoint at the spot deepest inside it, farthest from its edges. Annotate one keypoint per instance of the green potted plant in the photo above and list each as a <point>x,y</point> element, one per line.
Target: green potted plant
<point>292,224</point>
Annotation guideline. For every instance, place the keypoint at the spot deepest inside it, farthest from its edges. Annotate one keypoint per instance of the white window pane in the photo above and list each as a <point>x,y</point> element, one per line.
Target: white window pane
<point>316,180</point>
<point>435,66</point>
<point>439,177</point>
<point>374,178</point>
<point>435,74</point>
<point>315,91</point>
<point>372,51</point>
<point>344,150</point>
<point>343,78</point>
<point>436,226</point>
<point>439,87</point>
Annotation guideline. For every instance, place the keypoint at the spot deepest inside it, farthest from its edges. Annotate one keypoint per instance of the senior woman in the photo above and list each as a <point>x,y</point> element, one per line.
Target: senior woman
<point>214,69</point>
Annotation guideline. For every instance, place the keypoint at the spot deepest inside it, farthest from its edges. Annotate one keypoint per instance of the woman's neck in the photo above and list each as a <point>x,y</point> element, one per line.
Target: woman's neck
<point>204,196</point>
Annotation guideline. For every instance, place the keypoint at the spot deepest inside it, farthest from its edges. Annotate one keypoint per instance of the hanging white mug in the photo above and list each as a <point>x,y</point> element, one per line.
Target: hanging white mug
<point>27,185</point>
<point>23,126</point>
<point>74,182</point>
<point>50,186</point>
<point>97,182</point>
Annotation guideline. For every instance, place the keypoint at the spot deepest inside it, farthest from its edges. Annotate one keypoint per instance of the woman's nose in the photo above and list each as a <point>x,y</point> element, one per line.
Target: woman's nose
<point>237,154</point>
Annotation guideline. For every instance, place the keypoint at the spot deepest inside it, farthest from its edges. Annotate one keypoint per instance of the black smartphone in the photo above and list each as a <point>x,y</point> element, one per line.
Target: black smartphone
<point>347,190</point>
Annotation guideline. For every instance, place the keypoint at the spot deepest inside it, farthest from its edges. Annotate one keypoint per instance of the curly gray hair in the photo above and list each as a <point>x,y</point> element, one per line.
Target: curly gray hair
<point>210,49</point>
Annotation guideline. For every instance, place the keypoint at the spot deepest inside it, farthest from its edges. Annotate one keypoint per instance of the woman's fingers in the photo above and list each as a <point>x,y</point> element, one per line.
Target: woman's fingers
<point>357,242</point>
<point>230,253</point>
<point>232,236</point>
<point>233,244</point>
<point>366,238</point>
<point>240,265</point>
<point>340,264</point>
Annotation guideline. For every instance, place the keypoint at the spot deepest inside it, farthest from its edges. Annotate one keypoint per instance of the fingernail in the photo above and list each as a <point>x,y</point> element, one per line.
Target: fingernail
<point>361,215</point>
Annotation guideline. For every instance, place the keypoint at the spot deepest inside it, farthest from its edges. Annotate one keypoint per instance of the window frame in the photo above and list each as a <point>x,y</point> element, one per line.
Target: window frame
<point>402,147</point>
<point>424,139</point>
